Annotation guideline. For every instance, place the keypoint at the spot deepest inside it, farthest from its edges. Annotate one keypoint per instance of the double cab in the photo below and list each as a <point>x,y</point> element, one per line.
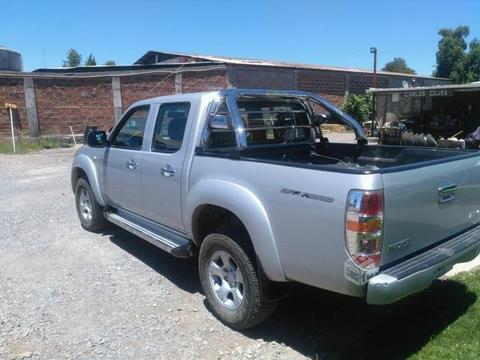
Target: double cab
<point>248,182</point>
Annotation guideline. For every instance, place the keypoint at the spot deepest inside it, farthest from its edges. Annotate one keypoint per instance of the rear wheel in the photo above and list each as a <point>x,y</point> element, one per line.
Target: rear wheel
<point>231,282</point>
<point>88,209</point>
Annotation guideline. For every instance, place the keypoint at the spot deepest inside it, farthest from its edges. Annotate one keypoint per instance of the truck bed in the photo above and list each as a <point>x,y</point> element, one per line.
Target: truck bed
<point>353,158</point>
<point>416,217</point>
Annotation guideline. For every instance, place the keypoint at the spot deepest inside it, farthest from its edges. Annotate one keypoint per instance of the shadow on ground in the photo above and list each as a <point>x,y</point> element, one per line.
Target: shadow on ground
<point>182,272</point>
<point>320,324</point>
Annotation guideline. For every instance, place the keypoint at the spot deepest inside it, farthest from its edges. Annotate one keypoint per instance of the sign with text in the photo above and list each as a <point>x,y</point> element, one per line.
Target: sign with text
<point>428,93</point>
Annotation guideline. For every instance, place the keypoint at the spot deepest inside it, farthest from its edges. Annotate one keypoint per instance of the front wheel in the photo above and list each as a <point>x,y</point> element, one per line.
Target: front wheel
<point>88,209</point>
<point>231,283</point>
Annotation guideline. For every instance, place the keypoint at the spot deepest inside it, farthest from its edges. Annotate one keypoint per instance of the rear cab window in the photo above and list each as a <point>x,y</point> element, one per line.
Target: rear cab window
<point>274,121</point>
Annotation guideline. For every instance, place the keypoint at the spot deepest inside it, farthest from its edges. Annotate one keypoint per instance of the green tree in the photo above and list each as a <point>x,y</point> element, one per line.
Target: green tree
<point>90,60</point>
<point>359,107</point>
<point>398,65</point>
<point>110,63</point>
<point>451,54</point>
<point>472,61</point>
<point>74,59</point>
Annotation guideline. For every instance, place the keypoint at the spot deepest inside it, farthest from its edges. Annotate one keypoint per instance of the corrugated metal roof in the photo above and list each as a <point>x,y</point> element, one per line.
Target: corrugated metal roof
<point>7,49</point>
<point>475,86</point>
<point>108,71</point>
<point>112,68</point>
<point>148,56</point>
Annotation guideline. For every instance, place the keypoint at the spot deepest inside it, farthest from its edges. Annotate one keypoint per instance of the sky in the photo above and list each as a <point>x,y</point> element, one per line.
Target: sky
<point>323,32</point>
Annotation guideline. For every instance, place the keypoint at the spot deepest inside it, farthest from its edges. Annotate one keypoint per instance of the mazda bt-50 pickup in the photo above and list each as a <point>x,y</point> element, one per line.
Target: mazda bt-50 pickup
<point>247,181</point>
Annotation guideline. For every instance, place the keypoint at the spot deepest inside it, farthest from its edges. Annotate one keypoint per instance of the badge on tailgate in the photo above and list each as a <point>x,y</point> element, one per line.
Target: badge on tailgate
<point>446,193</point>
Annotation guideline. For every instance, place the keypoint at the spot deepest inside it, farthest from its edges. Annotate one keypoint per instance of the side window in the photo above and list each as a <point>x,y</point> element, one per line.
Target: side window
<point>170,127</point>
<point>130,135</point>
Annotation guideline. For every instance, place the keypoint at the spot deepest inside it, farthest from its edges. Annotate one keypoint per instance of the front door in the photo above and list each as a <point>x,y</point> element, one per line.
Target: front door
<point>124,161</point>
<point>162,166</point>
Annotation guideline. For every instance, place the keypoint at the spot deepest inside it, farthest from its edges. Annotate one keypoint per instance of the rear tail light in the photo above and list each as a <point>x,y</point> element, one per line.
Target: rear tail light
<point>364,227</point>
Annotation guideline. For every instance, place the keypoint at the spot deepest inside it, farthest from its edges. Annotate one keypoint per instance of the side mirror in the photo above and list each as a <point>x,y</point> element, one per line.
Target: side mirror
<point>319,119</point>
<point>221,122</point>
<point>97,139</point>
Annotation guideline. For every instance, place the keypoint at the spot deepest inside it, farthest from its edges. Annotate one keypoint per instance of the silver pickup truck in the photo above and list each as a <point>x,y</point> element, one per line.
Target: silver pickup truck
<point>247,181</point>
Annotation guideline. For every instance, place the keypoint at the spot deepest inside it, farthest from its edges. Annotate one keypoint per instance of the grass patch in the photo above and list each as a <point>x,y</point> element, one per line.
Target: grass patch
<point>461,338</point>
<point>25,145</point>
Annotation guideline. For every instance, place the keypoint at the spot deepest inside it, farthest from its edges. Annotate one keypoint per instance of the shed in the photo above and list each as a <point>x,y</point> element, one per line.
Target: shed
<point>443,111</point>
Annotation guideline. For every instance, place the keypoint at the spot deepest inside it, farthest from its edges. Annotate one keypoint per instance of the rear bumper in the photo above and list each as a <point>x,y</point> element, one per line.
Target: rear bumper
<point>417,273</point>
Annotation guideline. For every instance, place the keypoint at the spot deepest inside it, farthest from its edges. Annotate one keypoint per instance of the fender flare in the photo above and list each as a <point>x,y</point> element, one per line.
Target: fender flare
<point>86,164</point>
<point>251,212</point>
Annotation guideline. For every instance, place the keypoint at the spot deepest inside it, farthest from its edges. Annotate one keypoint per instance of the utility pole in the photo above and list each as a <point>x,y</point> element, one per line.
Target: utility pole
<point>373,50</point>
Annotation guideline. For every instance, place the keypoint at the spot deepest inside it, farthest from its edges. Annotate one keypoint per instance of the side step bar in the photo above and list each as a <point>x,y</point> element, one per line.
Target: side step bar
<point>157,235</point>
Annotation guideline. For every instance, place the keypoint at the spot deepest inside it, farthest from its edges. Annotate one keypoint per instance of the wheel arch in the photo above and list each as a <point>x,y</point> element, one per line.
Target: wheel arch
<point>84,167</point>
<point>240,202</point>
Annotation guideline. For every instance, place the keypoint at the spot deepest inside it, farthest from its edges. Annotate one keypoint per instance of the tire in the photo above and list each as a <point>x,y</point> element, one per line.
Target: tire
<point>242,305</point>
<point>88,209</point>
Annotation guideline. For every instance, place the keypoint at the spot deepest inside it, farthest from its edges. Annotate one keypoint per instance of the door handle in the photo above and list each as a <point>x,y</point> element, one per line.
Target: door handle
<point>168,171</point>
<point>132,164</point>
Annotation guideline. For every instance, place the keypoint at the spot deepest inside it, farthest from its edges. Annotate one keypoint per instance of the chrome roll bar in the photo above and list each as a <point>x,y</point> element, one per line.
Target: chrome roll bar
<point>231,96</point>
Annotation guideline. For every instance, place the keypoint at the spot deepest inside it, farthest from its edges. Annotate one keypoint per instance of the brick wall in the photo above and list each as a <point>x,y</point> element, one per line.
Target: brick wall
<point>134,88</point>
<point>358,83</point>
<point>327,84</point>
<point>65,101</point>
<point>77,102</point>
<point>139,87</point>
<point>252,77</point>
<point>11,91</point>
<point>204,81</point>
<point>73,102</point>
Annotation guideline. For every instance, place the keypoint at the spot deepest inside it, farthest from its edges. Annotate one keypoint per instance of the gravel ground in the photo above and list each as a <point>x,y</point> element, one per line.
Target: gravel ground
<point>68,293</point>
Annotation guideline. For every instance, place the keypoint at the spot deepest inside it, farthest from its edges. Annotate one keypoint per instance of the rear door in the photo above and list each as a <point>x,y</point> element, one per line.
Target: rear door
<point>426,205</point>
<point>163,164</point>
<point>123,161</point>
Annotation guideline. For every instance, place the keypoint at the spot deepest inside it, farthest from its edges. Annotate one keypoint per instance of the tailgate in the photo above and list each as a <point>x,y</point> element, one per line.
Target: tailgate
<point>428,204</point>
